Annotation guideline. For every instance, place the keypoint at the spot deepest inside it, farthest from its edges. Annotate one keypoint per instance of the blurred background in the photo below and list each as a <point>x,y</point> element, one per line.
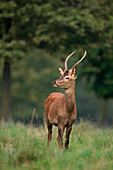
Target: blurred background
<point>35,38</point>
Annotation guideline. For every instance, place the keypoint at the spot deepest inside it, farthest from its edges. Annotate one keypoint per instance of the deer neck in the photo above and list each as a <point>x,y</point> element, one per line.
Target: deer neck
<point>70,98</point>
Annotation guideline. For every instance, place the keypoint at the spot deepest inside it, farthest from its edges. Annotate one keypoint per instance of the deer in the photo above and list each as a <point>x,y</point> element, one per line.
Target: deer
<point>60,108</point>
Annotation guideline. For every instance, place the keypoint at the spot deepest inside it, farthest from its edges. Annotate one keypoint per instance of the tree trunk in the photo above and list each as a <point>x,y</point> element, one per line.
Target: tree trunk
<point>103,112</point>
<point>6,100</point>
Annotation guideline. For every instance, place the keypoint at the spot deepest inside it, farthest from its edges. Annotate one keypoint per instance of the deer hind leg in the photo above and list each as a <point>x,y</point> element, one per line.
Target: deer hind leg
<point>60,137</point>
<point>68,131</point>
<point>49,127</point>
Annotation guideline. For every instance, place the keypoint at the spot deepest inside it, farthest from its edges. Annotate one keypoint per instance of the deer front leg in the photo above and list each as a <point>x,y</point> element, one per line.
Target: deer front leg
<point>49,126</point>
<point>68,131</point>
<point>60,137</point>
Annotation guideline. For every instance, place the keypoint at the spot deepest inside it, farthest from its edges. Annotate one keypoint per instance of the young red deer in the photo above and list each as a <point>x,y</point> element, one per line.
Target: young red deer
<point>60,108</point>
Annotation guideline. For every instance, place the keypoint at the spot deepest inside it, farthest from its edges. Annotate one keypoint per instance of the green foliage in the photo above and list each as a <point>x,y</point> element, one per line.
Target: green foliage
<point>63,25</point>
<point>100,51</point>
<point>16,28</point>
<point>24,147</point>
<point>14,50</point>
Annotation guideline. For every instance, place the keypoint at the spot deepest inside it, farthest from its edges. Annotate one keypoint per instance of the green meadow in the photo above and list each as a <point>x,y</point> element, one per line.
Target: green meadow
<point>24,147</point>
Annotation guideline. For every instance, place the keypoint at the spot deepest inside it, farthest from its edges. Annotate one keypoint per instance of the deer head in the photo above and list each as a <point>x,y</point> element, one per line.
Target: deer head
<point>67,76</point>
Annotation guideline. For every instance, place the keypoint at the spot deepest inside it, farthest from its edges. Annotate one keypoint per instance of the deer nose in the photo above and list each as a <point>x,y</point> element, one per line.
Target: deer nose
<point>53,82</point>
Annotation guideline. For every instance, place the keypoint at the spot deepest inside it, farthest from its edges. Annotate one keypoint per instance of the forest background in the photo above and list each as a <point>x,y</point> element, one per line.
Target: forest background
<point>35,38</point>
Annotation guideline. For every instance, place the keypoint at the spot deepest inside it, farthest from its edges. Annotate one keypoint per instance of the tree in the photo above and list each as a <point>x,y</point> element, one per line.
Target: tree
<point>101,59</point>
<point>16,32</point>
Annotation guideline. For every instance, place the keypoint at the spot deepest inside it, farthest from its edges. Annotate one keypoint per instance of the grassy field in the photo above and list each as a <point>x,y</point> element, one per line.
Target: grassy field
<point>23,147</point>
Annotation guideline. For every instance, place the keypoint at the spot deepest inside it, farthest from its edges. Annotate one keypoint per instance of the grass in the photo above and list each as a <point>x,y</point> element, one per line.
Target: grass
<point>24,148</point>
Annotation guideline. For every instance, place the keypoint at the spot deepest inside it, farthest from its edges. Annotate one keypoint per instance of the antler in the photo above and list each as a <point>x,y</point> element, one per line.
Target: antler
<point>80,60</point>
<point>67,60</point>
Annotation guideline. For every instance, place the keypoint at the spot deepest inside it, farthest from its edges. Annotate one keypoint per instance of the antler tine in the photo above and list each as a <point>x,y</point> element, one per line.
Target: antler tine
<point>79,60</point>
<point>67,60</point>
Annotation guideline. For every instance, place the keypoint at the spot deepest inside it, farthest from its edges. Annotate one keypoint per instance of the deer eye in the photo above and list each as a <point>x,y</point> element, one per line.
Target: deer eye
<point>67,77</point>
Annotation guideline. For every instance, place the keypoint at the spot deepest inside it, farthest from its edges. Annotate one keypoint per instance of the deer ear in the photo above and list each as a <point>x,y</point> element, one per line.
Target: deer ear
<point>72,72</point>
<point>61,70</point>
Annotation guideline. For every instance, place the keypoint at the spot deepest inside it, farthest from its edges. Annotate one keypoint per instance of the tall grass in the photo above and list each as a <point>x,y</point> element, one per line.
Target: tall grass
<point>23,147</point>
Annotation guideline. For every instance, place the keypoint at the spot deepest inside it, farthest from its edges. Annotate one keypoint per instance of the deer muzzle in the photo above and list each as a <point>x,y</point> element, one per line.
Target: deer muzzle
<point>54,83</point>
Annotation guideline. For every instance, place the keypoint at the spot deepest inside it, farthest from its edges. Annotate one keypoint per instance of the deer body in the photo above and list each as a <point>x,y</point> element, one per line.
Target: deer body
<point>55,112</point>
<point>60,108</point>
